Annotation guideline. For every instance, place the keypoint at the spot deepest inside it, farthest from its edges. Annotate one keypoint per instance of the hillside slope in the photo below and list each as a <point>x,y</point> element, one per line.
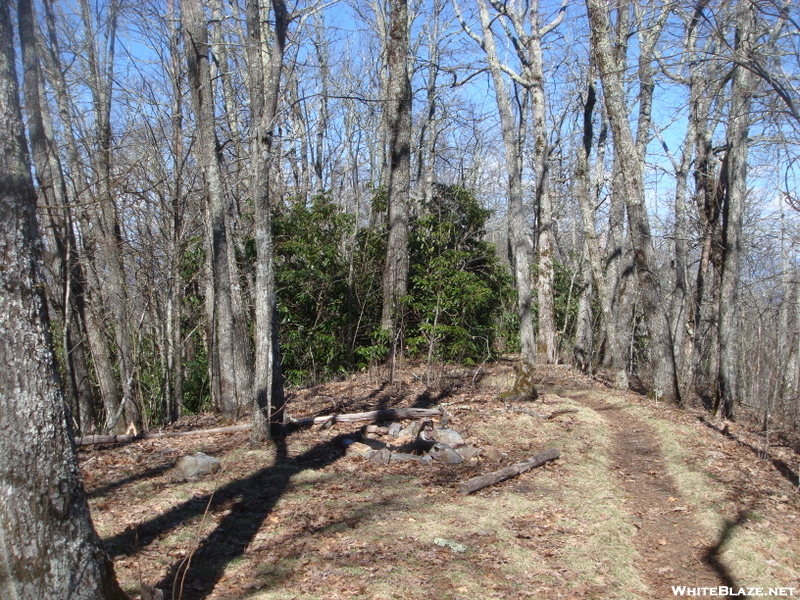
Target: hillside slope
<point>643,499</point>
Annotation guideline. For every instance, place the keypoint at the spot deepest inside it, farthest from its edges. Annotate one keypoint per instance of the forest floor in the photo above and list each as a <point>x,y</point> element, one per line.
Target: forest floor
<point>644,500</point>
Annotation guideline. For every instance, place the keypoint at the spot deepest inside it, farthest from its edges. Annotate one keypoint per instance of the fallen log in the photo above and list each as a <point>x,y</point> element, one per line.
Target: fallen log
<point>392,414</point>
<point>396,414</point>
<point>87,440</point>
<point>545,416</point>
<point>482,481</point>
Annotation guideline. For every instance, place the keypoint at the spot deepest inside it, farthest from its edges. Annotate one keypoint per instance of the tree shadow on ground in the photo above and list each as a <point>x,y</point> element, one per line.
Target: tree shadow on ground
<point>712,555</point>
<point>784,469</point>
<point>247,503</point>
<point>103,490</point>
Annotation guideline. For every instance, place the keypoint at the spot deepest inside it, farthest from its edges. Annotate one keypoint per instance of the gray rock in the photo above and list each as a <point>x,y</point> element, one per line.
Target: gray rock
<point>448,436</point>
<point>359,449</point>
<point>412,430</point>
<point>399,457</point>
<point>382,456</point>
<point>453,545</point>
<point>394,429</point>
<point>197,465</point>
<point>445,454</point>
<point>468,451</point>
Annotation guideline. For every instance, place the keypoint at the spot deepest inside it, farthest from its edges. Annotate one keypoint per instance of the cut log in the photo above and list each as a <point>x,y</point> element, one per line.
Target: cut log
<point>395,414</point>
<point>87,440</point>
<point>482,481</point>
<point>532,413</point>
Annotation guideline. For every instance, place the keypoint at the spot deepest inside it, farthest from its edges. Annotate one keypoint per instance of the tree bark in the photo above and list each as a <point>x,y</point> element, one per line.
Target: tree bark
<point>742,88</point>
<point>50,548</point>
<point>661,356</point>
<point>198,58</point>
<point>265,85</point>
<point>518,237</point>
<point>398,117</point>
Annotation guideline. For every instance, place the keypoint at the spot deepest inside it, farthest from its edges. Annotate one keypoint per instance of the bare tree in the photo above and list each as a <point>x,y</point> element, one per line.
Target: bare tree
<point>232,393</point>
<point>628,157</point>
<point>265,83</point>
<point>50,548</point>
<point>513,130</point>
<point>398,119</point>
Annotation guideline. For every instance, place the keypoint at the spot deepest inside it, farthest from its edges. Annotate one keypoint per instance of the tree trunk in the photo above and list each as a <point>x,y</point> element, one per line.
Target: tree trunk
<point>661,356</point>
<point>603,278</point>
<point>518,238</point>
<point>547,342</point>
<point>398,117</point>
<point>223,322</point>
<point>738,126</point>
<point>265,84</point>
<point>50,547</point>
<point>106,221</point>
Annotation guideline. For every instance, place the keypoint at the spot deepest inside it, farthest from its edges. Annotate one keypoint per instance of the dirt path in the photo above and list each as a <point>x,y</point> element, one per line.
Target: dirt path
<point>302,520</point>
<point>671,544</point>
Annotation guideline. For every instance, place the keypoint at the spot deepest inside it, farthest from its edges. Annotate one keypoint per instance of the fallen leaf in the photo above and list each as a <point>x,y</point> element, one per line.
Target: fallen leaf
<point>662,542</point>
<point>671,499</point>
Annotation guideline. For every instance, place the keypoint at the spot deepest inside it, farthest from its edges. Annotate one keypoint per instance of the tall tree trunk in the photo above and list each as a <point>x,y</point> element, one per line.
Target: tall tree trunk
<point>50,548</point>
<point>518,238</point>
<point>106,221</point>
<point>398,117</point>
<point>742,88</point>
<point>265,84</point>
<point>547,342</point>
<point>661,356</point>
<point>83,274</point>
<point>603,279</point>
<point>195,31</point>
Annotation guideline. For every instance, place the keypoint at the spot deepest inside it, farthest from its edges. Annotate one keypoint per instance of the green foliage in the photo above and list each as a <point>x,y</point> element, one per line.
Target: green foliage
<point>321,302</point>
<point>457,286</point>
<point>196,387</point>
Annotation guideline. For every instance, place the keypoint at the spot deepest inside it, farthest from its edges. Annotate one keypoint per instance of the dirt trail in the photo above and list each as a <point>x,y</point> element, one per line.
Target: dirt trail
<point>671,544</point>
<point>300,519</point>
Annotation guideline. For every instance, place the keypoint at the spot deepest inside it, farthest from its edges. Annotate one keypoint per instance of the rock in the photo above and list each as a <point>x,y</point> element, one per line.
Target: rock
<point>493,455</point>
<point>376,429</point>
<point>445,454</point>
<point>454,546</point>
<point>382,456</point>
<point>399,457</point>
<point>447,436</point>
<point>395,429</point>
<point>468,451</point>
<point>412,430</point>
<point>359,449</point>
<point>197,465</point>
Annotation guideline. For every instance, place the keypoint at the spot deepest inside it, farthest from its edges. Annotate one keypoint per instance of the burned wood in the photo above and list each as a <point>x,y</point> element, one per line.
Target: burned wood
<point>482,481</point>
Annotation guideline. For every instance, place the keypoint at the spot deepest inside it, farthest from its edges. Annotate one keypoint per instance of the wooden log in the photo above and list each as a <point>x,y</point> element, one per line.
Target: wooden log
<point>87,440</point>
<point>394,414</point>
<point>482,481</point>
